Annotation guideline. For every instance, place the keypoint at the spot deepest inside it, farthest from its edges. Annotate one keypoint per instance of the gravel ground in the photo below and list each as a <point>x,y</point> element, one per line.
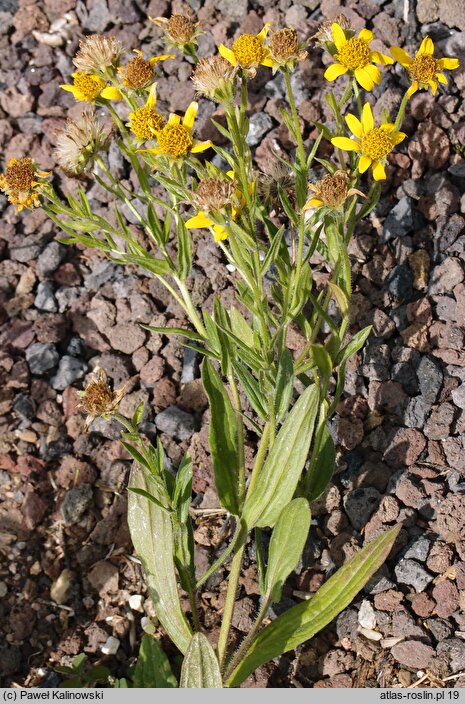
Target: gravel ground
<point>400,427</point>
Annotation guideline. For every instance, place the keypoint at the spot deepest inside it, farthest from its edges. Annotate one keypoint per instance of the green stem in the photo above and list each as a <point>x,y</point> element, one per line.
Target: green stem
<point>244,646</point>
<point>233,584</point>
<point>260,458</point>
<point>357,97</point>
<point>221,559</point>
<point>189,307</point>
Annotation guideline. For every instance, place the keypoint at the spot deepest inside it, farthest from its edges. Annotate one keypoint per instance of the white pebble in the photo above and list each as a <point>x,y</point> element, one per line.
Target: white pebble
<point>111,646</point>
<point>230,267</point>
<point>135,602</point>
<point>366,615</point>
<point>368,633</point>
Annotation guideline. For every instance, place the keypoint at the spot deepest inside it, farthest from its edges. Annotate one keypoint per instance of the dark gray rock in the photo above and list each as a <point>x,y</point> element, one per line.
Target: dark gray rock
<point>454,650</point>
<point>418,549</point>
<point>400,282</point>
<point>360,504</point>
<point>259,124</point>
<point>24,407</point>
<point>101,273</point>
<point>412,573</point>
<point>41,357</point>
<point>430,376</point>
<point>414,415</point>
<point>50,258</point>
<point>440,628</point>
<point>190,366</point>
<point>76,502</point>
<point>401,219</point>
<point>176,423</point>
<point>45,297</point>
<point>379,582</point>
<point>70,370</point>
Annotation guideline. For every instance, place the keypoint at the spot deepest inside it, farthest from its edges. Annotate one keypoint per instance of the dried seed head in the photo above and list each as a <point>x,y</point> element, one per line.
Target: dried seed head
<point>213,194</point>
<point>97,53</point>
<point>284,45</point>
<point>276,177</point>
<point>181,29</point>
<point>145,122</point>
<point>98,400</point>
<point>138,73</point>
<point>325,34</point>
<point>332,191</point>
<point>80,142</point>
<point>213,78</point>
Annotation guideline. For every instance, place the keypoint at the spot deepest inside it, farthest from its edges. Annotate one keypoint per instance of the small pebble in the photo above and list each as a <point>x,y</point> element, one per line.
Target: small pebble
<point>370,634</point>
<point>366,615</point>
<point>111,646</point>
<point>136,602</point>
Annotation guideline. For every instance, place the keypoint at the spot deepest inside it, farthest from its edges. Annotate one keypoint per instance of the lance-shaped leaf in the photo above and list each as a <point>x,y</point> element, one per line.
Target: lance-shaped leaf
<point>278,478</point>
<point>284,384</point>
<point>153,669</point>
<point>286,545</point>
<point>200,668</point>
<point>321,466</point>
<point>300,623</point>
<point>223,439</point>
<point>152,536</point>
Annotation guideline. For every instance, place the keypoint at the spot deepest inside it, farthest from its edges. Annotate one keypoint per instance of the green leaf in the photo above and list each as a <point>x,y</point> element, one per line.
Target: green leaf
<point>284,384</point>
<point>287,542</point>
<point>240,327</point>
<point>322,464</point>
<point>272,251</point>
<point>190,334</point>
<point>153,669</point>
<point>147,495</point>
<point>278,478</point>
<point>184,251</point>
<point>252,389</point>
<point>303,621</point>
<point>222,130</point>
<point>152,536</point>
<point>183,489</point>
<point>223,439</point>
<point>137,417</point>
<point>200,668</point>
<point>354,345</point>
<point>322,360</point>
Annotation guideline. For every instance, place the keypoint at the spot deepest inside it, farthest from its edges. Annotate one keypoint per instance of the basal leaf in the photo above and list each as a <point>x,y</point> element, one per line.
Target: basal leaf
<point>223,439</point>
<point>321,466</point>
<point>152,536</point>
<point>284,384</point>
<point>200,668</point>
<point>153,669</point>
<point>354,345</point>
<point>278,478</point>
<point>286,545</point>
<point>303,621</point>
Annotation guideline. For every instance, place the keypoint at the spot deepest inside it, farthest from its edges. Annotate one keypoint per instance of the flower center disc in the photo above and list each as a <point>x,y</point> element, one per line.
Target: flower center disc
<point>145,121</point>
<point>248,50</point>
<point>89,86</point>
<point>354,54</point>
<point>423,68</point>
<point>175,140</point>
<point>376,144</point>
<point>19,174</point>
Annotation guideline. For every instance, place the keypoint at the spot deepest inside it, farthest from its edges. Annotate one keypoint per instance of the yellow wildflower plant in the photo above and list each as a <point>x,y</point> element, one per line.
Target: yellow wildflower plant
<point>373,143</point>
<point>248,52</point>
<point>146,122</point>
<point>20,183</point>
<point>139,72</point>
<point>355,56</point>
<point>88,88</point>
<point>331,192</point>
<point>175,138</point>
<point>424,69</point>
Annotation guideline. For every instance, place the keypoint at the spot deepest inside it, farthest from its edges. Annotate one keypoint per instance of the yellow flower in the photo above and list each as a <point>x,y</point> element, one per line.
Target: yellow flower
<point>373,143</point>
<point>138,73</point>
<point>424,70</point>
<point>20,184</point>
<point>145,122</point>
<point>355,56</point>
<point>331,191</point>
<point>175,138</point>
<point>248,52</point>
<point>88,88</point>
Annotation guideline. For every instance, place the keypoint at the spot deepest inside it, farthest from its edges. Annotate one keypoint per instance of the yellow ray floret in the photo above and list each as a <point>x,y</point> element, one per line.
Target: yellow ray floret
<point>373,143</point>
<point>355,56</point>
<point>175,138</point>
<point>248,51</point>
<point>424,70</point>
<point>88,88</point>
<point>145,122</point>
